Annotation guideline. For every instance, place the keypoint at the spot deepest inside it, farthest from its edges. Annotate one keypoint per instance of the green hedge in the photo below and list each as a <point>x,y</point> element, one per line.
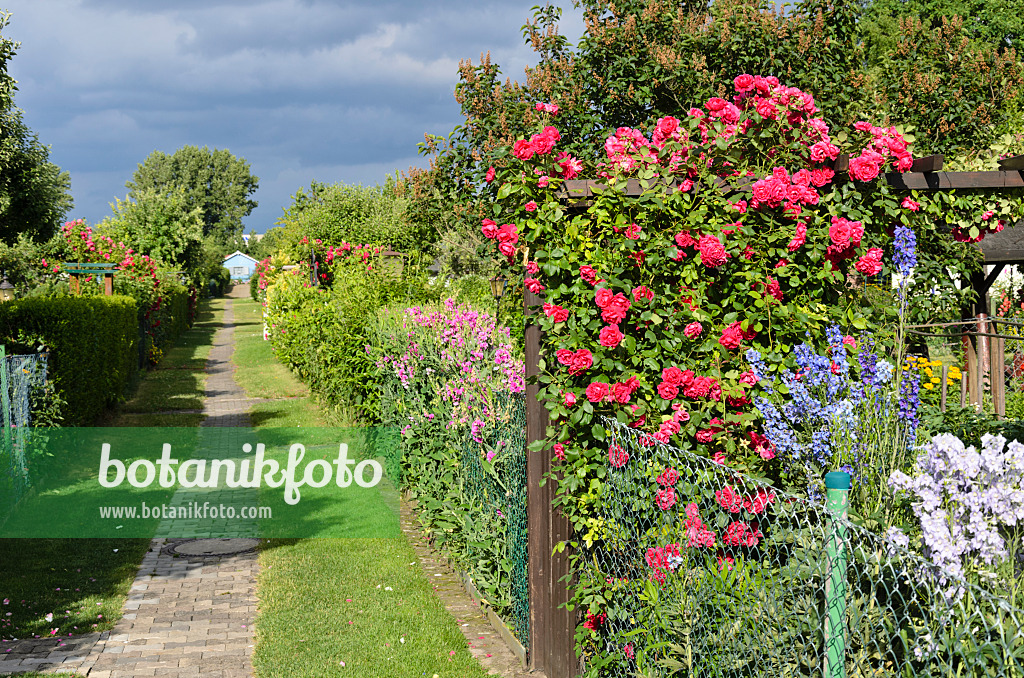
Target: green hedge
<point>93,346</point>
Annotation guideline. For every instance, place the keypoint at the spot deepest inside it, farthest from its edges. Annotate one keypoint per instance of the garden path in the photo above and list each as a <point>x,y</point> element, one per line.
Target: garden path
<point>185,616</point>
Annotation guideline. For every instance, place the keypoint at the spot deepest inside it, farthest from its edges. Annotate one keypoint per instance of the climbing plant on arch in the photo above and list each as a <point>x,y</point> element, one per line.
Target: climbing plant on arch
<point>714,232</point>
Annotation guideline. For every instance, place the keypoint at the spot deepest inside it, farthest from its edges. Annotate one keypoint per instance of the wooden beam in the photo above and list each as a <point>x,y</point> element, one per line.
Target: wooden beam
<point>929,163</point>
<point>950,181</point>
<point>924,180</point>
<point>991,278</point>
<point>1015,162</point>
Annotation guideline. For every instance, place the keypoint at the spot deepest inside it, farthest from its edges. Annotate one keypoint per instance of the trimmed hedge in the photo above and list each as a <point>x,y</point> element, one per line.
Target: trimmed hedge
<point>93,346</point>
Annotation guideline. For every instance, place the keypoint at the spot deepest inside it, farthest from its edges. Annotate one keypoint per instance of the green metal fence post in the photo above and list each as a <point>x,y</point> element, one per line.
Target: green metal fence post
<point>837,500</point>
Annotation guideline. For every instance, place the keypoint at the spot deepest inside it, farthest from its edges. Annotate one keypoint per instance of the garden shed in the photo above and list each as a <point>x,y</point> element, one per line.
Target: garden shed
<point>240,265</point>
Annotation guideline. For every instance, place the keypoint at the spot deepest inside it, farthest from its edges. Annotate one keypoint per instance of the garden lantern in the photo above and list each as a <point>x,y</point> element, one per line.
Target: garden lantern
<point>498,287</point>
<point>393,261</point>
<point>497,291</point>
<point>6,290</point>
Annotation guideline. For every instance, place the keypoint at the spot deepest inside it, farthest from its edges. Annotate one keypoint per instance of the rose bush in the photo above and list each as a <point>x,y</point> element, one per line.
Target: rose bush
<point>725,230</point>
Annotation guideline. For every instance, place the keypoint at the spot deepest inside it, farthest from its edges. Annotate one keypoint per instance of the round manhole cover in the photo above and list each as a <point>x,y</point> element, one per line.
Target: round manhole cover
<point>215,547</point>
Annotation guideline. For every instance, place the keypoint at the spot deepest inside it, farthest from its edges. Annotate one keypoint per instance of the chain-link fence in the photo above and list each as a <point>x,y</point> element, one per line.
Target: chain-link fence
<point>20,375</point>
<point>709,572</point>
<point>499,499</point>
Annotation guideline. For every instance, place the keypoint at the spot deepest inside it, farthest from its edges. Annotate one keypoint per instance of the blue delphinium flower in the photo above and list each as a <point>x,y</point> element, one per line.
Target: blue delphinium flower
<point>905,254</point>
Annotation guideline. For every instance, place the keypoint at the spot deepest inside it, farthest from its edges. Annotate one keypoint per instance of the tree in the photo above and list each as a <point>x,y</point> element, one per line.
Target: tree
<point>34,193</point>
<point>216,182</point>
<point>161,225</point>
<point>639,60</point>
<point>340,213</point>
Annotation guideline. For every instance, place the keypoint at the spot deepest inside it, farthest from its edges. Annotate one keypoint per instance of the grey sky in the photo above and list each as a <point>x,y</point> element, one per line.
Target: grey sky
<point>302,89</point>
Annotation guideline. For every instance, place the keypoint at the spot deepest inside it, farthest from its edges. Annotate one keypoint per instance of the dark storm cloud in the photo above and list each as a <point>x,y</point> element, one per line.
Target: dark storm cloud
<point>334,91</point>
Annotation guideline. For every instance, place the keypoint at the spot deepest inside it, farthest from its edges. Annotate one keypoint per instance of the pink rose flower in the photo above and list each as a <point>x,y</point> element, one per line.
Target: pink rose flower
<point>669,477</point>
<point>731,337</point>
<point>909,204</point>
<point>581,362</point>
<point>569,399</point>
<point>490,175</point>
<point>523,149</point>
<point>866,166</point>
<point>712,251</point>
<point>530,206</point>
<point>533,285</point>
<point>615,310</point>
<point>610,336</point>
<point>672,375</point>
<point>617,456</point>
<point>642,292</point>
<point>871,263</point>
<point>693,330</point>
<point>588,274</point>
<point>665,498</point>
<point>667,391</point>
<point>489,228</point>
<point>598,391</point>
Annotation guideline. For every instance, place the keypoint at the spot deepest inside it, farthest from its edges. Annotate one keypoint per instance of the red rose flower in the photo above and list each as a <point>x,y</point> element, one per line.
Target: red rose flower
<point>668,391</point>
<point>665,498</point>
<point>610,336</point>
<point>597,391</point>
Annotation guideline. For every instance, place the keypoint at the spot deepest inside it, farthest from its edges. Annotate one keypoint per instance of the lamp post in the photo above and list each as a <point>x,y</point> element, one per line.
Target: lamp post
<point>6,290</point>
<point>497,291</point>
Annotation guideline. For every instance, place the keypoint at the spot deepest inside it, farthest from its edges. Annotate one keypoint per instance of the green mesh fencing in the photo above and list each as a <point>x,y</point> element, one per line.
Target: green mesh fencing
<point>498,500</point>
<point>708,572</point>
<point>20,375</point>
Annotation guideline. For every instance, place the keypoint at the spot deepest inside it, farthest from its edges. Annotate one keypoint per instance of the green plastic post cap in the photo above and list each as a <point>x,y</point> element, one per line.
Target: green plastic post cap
<point>837,480</point>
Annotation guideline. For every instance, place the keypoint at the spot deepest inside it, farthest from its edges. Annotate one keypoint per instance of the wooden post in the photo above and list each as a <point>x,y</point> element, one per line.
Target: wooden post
<point>963,386</point>
<point>942,388</point>
<point>983,357</point>
<point>552,627</point>
<point>74,284</point>
<point>108,284</point>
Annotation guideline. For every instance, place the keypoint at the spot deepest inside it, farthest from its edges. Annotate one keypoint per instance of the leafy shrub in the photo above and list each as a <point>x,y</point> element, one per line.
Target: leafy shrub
<point>341,213</point>
<point>92,342</point>
<point>322,333</point>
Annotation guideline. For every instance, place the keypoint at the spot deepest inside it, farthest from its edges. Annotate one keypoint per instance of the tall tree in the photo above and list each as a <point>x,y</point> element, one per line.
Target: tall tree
<point>34,193</point>
<point>216,182</point>
<point>161,225</point>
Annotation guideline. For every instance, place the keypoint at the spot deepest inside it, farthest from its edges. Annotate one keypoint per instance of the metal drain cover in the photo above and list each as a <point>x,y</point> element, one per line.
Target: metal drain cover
<point>215,547</point>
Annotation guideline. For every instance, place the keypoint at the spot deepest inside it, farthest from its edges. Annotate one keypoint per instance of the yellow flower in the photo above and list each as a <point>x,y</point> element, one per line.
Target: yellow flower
<point>935,380</point>
<point>930,386</point>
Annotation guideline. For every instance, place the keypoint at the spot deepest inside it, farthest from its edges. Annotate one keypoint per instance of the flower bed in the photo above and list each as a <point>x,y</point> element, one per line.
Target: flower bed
<point>452,383</point>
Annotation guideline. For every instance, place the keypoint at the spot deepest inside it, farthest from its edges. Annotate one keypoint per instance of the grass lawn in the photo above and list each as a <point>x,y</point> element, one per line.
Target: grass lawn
<point>364,602</point>
<point>178,382</point>
<point>83,583</point>
<point>327,601</point>
<point>257,370</point>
